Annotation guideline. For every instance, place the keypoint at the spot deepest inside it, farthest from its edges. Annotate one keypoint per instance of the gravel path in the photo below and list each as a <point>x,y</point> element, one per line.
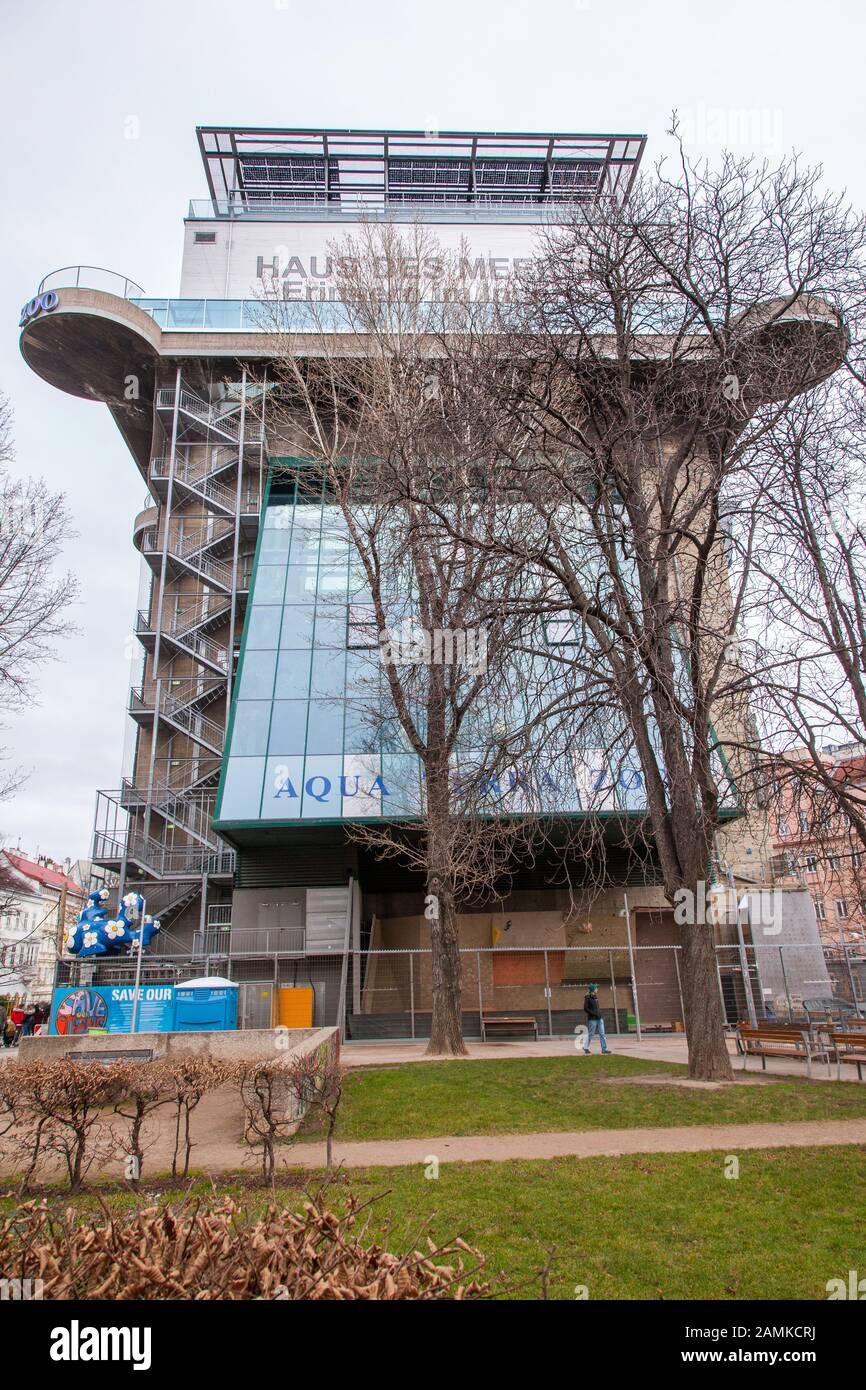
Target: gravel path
<point>218,1150</point>
<point>393,1153</point>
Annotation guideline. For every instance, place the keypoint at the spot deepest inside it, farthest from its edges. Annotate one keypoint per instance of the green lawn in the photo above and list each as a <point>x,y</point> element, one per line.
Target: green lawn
<point>523,1095</point>
<point>644,1226</point>
<point>637,1227</point>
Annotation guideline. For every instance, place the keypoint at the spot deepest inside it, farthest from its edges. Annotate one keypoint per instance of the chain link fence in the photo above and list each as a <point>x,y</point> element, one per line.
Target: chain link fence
<point>384,995</point>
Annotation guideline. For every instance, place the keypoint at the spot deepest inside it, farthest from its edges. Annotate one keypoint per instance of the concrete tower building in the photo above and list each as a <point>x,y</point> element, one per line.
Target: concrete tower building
<point>231,644</point>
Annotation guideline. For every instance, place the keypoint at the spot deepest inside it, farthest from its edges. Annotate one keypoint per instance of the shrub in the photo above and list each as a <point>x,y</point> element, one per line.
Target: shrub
<point>143,1087</point>
<point>59,1104</point>
<point>187,1080</point>
<point>218,1253</point>
<point>277,1092</point>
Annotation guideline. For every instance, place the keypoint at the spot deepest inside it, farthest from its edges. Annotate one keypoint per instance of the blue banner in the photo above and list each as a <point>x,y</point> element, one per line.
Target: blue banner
<point>75,1010</point>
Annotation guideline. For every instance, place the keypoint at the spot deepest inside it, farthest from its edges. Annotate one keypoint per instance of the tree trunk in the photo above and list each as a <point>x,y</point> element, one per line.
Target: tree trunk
<point>75,1174</point>
<point>705,1024</point>
<point>135,1148</point>
<point>187,1137</point>
<point>176,1155</point>
<point>329,1142</point>
<point>446,1029</point>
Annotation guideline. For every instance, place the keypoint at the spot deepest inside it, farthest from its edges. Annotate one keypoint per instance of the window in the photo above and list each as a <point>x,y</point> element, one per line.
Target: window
<point>804,823</point>
<point>784,827</point>
<point>811,864</point>
<point>841,908</point>
<point>250,732</point>
<point>525,967</point>
<point>560,631</point>
<point>833,862</point>
<point>362,629</point>
<point>205,236</point>
<point>820,910</point>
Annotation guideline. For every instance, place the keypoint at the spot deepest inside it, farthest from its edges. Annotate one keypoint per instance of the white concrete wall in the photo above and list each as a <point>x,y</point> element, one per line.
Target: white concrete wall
<point>227,268</point>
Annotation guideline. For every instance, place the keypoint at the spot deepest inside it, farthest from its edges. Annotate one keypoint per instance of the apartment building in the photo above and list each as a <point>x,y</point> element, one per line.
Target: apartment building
<point>39,900</point>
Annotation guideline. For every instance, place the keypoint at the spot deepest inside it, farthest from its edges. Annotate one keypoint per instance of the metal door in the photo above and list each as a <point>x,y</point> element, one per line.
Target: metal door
<point>255,1004</point>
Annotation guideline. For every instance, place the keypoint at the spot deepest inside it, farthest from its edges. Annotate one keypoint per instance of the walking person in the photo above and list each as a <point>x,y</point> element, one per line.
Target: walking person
<point>17,1016</point>
<point>594,1020</point>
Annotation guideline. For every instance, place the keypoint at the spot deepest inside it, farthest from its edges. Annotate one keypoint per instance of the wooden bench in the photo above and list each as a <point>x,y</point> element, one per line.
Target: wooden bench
<point>780,1027</point>
<point>850,1046</point>
<point>509,1021</point>
<point>779,1040</point>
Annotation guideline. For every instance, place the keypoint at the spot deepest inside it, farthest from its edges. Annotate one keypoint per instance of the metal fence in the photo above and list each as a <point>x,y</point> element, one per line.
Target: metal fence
<point>387,995</point>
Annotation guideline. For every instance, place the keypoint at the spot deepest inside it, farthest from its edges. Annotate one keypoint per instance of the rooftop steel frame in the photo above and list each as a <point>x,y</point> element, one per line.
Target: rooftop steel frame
<point>250,168</point>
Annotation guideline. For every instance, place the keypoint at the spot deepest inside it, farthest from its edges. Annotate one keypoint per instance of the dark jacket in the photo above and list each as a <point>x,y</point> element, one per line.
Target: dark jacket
<point>591,1006</point>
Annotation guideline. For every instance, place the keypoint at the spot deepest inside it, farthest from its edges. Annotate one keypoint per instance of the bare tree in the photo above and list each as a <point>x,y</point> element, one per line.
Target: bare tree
<point>386,427</point>
<point>808,639</point>
<point>649,352</point>
<point>64,1101</point>
<point>34,527</point>
<point>144,1088</point>
<point>278,1093</point>
<point>188,1079</point>
<point>808,571</point>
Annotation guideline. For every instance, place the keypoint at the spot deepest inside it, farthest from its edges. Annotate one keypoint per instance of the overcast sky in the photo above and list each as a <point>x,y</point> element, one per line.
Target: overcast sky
<point>772,75</point>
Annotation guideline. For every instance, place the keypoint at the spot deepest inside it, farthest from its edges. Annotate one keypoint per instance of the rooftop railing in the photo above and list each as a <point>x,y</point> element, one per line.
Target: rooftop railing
<point>245,315</point>
<point>282,208</point>
<point>290,316</point>
<point>91,277</point>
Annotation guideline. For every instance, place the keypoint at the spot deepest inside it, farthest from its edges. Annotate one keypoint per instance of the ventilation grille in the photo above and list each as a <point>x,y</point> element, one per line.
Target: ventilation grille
<point>313,866</point>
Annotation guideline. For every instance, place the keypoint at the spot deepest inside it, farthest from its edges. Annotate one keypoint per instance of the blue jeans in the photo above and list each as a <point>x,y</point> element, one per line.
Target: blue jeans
<point>593,1026</point>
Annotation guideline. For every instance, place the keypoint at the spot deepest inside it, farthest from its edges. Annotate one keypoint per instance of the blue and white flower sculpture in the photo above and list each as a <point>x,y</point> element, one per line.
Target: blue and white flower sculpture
<point>97,934</point>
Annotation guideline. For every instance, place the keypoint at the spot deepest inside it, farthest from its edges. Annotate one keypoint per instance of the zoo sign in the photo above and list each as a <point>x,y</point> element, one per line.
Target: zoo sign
<point>41,303</point>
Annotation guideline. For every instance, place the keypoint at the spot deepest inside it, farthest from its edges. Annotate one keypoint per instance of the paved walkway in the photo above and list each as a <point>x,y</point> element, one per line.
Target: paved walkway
<point>487,1148</point>
<point>653,1049</point>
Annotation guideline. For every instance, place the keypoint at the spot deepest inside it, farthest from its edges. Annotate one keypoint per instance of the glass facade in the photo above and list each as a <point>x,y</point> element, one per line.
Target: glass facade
<point>302,742</point>
<point>311,736</point>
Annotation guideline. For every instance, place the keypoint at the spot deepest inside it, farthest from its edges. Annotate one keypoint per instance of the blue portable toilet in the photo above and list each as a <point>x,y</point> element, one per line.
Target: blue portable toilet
<point>207,1005</point>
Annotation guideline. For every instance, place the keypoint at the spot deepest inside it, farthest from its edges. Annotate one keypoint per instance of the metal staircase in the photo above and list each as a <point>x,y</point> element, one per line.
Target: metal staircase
<point>158,828</point>
<point>187,638</point>
<point>210,486</point>
<point>188,810</point>
<point>197,533</point>
<point>214,420</point>
<point>184,709</point>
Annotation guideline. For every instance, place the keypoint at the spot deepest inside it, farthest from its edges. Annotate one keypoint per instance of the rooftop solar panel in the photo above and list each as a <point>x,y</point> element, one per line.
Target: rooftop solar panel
<point>365,168</point>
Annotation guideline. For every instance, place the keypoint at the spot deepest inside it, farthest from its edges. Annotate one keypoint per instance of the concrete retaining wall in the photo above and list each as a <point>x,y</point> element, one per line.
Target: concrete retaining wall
<point>231,1046</point>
